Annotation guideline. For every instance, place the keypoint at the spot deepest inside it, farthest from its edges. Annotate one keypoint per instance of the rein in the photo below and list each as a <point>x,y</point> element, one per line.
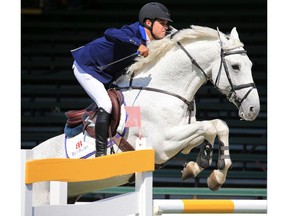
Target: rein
<point>192,60</point>
<point>190,104</point>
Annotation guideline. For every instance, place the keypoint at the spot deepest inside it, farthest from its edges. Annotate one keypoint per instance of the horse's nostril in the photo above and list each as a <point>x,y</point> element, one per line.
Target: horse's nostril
<point>251,109</point>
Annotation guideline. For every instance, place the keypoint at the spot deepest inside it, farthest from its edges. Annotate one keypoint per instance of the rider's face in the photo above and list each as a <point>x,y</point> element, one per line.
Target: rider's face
<point>159,28</point>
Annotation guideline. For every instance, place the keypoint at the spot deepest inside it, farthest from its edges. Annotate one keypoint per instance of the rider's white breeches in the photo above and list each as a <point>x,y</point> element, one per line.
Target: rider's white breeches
<point>94,88</point>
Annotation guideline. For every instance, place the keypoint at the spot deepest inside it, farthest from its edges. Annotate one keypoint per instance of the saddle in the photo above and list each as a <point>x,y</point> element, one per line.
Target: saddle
<point>87,117</point>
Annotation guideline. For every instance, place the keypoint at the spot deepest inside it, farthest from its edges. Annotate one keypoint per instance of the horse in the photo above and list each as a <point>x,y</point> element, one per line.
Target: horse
<point>164,85</point>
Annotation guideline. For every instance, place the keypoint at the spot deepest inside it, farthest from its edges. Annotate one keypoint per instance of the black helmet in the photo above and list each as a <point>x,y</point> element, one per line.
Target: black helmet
<point>152,11</point>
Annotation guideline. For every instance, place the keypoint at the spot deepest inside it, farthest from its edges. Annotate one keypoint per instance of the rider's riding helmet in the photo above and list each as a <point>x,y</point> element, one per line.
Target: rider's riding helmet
<point>152,11</point>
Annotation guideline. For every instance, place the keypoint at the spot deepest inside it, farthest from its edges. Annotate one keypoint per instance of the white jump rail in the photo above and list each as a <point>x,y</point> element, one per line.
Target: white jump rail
<point>224,206</point>
<point>59,171</point>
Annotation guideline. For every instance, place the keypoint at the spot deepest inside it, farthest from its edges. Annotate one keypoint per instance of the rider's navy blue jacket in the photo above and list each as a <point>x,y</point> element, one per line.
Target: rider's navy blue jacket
<point>114,45</point>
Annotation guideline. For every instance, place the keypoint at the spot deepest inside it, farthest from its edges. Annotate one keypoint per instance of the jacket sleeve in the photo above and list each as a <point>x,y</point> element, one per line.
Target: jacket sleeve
<point>126,34</point>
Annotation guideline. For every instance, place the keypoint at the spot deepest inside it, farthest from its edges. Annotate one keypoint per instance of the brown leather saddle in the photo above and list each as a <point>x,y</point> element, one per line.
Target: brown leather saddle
<point>88,116</point>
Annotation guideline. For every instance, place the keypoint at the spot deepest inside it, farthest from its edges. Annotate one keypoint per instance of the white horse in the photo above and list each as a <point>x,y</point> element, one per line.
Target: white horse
<point>164,85</point>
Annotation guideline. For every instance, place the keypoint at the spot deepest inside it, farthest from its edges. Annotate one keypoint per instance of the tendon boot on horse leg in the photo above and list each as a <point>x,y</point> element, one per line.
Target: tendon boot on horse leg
<point>101,132</point>
<point>218,177</point>
<point>203,161</point>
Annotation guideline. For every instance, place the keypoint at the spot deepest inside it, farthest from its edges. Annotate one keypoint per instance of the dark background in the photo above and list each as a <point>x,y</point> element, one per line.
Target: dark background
<point>48,88</point>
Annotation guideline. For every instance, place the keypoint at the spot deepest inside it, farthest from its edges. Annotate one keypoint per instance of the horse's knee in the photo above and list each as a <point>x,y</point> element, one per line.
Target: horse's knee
<point>221,126</point>
<point>210,132</point>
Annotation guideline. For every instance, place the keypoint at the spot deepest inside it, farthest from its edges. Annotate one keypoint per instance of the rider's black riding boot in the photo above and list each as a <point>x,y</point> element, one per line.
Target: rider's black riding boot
<point>101,131</point>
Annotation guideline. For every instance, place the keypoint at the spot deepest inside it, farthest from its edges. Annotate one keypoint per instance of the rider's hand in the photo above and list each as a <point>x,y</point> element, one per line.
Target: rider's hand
<point>144,51</point>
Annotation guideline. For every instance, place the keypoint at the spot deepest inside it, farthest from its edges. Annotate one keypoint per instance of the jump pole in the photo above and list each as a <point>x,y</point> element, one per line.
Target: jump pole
<point>164,206</point>
<point>59,171</point>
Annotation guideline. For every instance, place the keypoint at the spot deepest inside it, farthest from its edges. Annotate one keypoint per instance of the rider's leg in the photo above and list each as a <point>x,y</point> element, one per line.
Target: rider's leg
<point>96,90</point>
<point>101,131</point>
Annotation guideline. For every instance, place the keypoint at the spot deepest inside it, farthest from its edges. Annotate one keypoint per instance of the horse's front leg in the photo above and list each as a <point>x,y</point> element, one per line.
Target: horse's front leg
<point>207,132</point>
<point>186,137</point>
<point>218,177</point>
<point>204,159</point>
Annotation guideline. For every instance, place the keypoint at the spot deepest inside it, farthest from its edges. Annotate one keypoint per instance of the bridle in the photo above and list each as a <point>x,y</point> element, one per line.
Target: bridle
<point>231,96</point>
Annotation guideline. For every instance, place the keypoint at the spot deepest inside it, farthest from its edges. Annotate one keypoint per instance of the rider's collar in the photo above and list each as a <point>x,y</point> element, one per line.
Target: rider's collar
<point>144,34</point>
<point>147,38</point>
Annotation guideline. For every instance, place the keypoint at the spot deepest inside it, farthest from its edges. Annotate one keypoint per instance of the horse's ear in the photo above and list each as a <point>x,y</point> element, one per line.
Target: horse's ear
<point>222,38</point>
<point>234,34</point>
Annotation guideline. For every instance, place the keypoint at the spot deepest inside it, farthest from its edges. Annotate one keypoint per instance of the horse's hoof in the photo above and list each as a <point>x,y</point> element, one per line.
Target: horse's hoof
<point>188,170</point>
<point>212,182</point>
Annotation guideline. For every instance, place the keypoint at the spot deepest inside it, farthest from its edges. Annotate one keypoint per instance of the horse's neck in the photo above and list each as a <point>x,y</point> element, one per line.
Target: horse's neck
<point>205,54</point>
<point>174,72</point>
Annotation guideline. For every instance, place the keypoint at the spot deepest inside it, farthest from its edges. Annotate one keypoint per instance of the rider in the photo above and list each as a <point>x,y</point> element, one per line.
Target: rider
<point>95,64</point>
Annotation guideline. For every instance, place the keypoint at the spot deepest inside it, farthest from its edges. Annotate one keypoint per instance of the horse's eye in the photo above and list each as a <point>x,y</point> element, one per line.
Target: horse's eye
<point>235,67</point>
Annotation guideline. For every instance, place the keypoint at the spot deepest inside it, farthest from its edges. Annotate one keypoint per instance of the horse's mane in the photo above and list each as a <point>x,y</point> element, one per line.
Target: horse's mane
<point>157,48</point>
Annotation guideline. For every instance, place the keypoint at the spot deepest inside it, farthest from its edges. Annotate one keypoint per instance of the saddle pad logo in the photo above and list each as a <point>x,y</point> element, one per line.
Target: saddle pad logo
<point>80,146</point>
